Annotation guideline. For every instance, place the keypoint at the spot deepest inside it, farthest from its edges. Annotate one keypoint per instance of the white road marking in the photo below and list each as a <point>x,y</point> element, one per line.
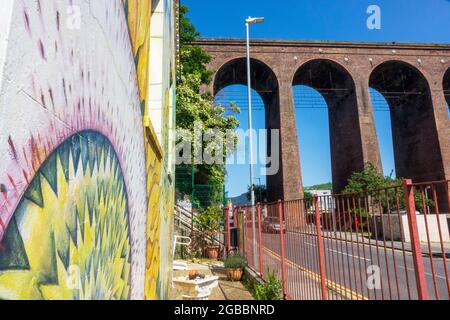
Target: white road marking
<point>427,273</point>
<point>339,252</point>
<point>346,254</point>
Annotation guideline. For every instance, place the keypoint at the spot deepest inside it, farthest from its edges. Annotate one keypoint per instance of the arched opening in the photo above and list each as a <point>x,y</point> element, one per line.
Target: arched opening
<point>413,125</point>
<point>382,118</point>
<point>265,90</point>
<point>446,86</point>
<point>337,88</point>
<point>311,118</point>
<point>237,165</point>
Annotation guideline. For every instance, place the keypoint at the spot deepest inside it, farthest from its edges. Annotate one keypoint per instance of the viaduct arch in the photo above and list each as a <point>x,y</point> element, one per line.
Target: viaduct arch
<point>413,124</point>
<point>265,82</point>
<point>446,87</point>
<point>413,78</point>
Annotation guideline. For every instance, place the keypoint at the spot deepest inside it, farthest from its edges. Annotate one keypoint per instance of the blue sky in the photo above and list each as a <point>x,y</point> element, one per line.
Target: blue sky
<point>402,21</point>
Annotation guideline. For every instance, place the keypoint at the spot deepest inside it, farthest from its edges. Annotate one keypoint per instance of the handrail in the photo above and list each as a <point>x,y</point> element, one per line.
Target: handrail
<point>188,223</point>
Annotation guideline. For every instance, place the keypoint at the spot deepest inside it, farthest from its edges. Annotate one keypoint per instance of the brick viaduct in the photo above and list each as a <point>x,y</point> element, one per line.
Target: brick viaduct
<point>413,78</point>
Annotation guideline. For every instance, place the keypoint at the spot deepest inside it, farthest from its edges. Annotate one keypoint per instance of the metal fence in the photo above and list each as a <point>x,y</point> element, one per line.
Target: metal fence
<point>388,244</point>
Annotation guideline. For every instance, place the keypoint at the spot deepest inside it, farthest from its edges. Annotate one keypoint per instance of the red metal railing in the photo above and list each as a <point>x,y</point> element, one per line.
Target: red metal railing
<point>387,244</point>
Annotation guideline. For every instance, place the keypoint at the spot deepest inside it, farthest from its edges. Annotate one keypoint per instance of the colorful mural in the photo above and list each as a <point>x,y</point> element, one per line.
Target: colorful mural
<point>160,188</point>
<point>73,187</point>
<point>69,237</point>
<point>86,192</point>
<point>138,14</point>
<point>139,17</point>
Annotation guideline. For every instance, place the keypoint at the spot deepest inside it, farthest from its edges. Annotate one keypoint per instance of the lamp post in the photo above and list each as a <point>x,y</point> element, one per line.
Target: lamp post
<point>249,21</point>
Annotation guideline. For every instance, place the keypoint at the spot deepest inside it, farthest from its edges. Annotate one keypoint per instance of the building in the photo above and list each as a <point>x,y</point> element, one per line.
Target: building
<point>321,193</point>
<point>87,94</point>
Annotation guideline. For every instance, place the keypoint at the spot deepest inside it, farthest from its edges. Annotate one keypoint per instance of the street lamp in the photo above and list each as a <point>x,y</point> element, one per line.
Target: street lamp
<point>248,22</point>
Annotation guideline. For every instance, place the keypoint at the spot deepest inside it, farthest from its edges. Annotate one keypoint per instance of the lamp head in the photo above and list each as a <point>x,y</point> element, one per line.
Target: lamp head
<point>251,20</point>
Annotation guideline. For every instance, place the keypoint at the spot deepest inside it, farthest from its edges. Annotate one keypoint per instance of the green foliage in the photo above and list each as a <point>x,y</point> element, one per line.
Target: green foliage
<point>235,262</point>
<point>260,193</point>
<point>385,192</point>
<point>188,33</point>
<point>209,220</point>
<point>197,110</point>
<point>193,58</point>
<point>194,108</point>
<point>368,179</point>
<point>208,195</point>
<point>323,186</point>
<point>308,196</point>
<point>193,61</point>
<point>272,289</point>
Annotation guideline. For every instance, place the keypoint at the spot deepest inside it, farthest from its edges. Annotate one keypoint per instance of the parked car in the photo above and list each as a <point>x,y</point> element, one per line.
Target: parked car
<point>272,225</point>
<point>402,212</point>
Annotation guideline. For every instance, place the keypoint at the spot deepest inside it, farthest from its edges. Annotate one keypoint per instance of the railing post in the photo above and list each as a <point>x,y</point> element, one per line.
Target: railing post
<point>283,257</point>
<point>422,289</point>
<point>260,240</point>
<point>227,212</point>
<point>320,248</point>
<point>448,194</point>
<point>244,227</point>
<point>192,220</point>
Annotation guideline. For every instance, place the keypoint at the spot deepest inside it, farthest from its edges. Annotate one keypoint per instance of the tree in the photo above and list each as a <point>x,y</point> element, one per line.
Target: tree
<point>308,197</point>
<point>368,179</point>
<point>193,58</point>
<point>209,220</point>
<point>260,193</point>
<point>197,109</point>
<point>323,186</point>
<point>383,190</point>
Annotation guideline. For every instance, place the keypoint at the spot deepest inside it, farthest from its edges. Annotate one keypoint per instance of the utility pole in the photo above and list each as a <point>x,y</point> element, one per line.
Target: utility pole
<point>248,22</point>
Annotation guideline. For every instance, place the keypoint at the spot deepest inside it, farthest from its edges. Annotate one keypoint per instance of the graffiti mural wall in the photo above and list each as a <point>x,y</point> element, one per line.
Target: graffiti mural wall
<point>152,33</point>
<point>85,188</point>
<point>69,237</point>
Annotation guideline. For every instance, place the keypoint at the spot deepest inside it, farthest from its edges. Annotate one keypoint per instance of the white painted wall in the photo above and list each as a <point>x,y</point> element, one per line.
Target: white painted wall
<point>433,228</point>
<point>5,22</point>
<point>156,90</point>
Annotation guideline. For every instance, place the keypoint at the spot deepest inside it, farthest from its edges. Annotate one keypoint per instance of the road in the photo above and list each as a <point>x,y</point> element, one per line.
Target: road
<point>348,268</point>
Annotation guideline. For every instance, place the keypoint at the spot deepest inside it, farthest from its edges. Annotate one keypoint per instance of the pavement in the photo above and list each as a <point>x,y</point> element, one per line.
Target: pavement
<point>227,290</point>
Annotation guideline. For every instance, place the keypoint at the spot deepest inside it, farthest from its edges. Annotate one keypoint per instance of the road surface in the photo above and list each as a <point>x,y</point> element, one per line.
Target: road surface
<point>348,267</point>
